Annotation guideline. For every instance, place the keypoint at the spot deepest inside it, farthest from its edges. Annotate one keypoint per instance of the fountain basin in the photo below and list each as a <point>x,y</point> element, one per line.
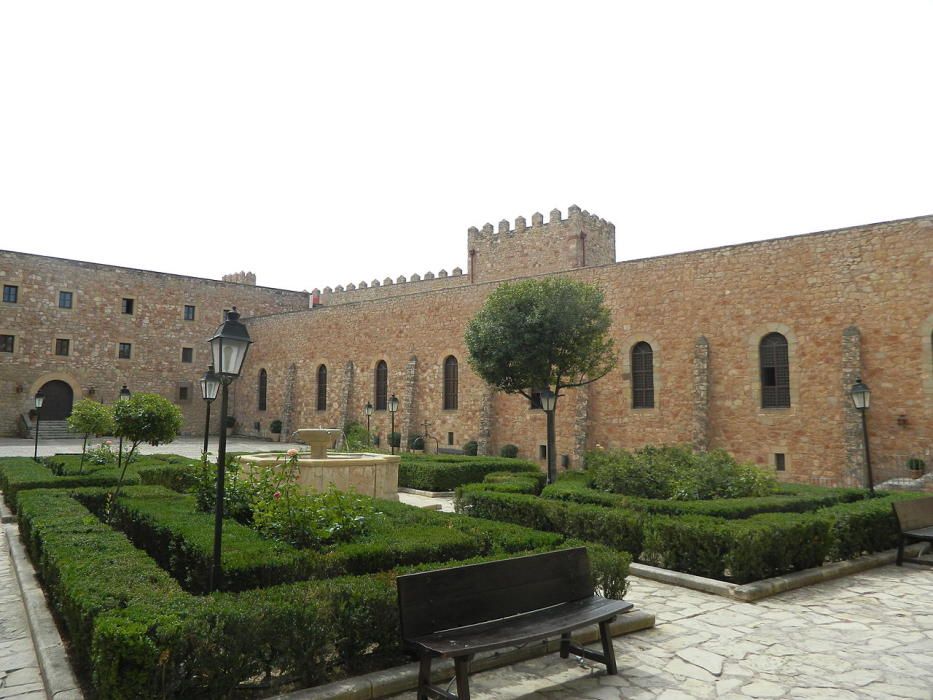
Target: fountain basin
<point>368,474</point>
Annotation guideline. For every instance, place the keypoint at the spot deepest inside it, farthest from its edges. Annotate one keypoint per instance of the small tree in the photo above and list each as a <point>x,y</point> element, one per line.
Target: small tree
<point>538,334</point>
<point>144,418</point>
<point>91,418</point>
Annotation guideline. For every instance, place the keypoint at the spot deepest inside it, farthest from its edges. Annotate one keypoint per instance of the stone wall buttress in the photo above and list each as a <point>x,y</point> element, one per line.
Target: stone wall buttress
<point>288,407</point>
<point>701,394</point>
<point>409,425</point>
<point>851,418</point>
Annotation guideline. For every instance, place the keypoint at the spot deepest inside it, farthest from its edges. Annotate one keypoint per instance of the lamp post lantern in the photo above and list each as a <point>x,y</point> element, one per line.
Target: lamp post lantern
<point>210,384</point>
<point>368,410</point>
<point>229,346</point>
<point>549,404</point>
<point>122,396</point>
<point>40,399</point>
<point>393,407</point>
<point>861,397</point>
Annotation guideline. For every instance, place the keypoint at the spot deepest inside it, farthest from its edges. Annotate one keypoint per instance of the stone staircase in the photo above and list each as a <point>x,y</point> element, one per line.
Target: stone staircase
<point>52,430</point>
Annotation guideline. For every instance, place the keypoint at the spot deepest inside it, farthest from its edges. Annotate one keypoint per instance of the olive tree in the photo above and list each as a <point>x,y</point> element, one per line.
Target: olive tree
<point>144,418</point>
<point>542,335</point>
<point>91,418</point>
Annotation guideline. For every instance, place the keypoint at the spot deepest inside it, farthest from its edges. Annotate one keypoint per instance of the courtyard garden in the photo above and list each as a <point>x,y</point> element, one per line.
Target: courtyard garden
<point>307,594</point>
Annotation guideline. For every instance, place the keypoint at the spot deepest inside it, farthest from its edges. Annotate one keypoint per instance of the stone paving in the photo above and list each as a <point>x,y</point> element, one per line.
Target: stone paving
<point>869,635</point>
<point>19,667</point>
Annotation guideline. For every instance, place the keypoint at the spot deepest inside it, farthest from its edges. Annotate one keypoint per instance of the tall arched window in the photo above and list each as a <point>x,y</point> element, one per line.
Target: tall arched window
<point>382,386</point>
<point>263,383</point>
<point>642,376</point>
<point>775,371</point>
<point>451,383</point>
<point>322,388</point>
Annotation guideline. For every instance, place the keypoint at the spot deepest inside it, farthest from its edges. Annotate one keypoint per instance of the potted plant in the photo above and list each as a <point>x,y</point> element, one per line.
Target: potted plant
<point>416,443</point>
<point>275,427</point>
<point>231,423</point>
<point>916,466</point>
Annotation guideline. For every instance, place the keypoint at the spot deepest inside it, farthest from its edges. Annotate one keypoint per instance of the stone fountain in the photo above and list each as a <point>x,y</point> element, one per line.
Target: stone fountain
<point>368,474</point>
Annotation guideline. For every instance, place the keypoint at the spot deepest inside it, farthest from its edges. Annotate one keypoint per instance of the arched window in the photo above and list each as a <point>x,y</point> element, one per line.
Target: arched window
<point>451,383</point>
<point>642,376</point>
<point>775,371</point>
<point>382,386</point>
<point>322,388</point>
<point>263,382</point>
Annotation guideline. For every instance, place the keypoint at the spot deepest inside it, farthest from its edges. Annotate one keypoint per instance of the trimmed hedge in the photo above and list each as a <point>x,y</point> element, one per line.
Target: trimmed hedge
<point>141,636</point>
<point>22,474</point>
<point>441,473</point>
<point>738,550</point>
<point>572,486</point>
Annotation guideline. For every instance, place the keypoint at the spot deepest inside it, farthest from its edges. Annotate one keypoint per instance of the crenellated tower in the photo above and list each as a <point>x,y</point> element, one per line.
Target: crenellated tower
<point>580,240</point>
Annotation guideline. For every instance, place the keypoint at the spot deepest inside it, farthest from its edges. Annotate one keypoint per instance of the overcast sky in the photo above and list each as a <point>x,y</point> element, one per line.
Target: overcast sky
<point>326,143</point>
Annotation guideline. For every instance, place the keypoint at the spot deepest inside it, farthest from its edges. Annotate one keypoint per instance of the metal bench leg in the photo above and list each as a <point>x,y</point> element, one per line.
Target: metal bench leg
<point>565,645</point>
<point>462,667</point>
<point>608,650</point>
<point>424,677</point>
<point>900,550</point>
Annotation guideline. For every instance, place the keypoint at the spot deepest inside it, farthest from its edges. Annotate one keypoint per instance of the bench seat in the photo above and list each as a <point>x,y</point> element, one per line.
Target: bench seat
<point>915,522</point>
<point>520,629</point>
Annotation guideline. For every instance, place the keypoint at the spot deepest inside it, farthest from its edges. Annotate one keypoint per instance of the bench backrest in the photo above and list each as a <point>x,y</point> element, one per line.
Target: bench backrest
<point>465,595</point>
<point>914,514</point>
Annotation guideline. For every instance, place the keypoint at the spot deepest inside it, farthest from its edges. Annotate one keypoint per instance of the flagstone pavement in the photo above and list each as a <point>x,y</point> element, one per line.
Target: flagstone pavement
<point>869,635</point>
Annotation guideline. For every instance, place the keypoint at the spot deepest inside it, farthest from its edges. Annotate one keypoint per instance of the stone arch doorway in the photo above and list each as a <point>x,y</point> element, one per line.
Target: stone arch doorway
<point>59,397</point>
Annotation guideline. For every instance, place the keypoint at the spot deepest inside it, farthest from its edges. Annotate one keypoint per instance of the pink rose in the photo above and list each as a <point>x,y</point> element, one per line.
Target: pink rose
<point>277,495</point>
<point>292,452</point>
<point>109,442</point>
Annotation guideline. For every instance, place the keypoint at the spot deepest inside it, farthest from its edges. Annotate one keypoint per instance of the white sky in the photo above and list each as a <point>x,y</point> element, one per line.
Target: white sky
<point>326,143</point>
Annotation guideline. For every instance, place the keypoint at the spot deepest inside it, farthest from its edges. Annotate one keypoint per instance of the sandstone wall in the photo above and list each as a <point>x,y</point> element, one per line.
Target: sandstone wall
<point>156,330</point>
<point>703,313</point>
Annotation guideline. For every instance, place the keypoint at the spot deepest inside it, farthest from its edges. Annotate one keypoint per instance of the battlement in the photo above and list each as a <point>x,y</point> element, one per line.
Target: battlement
<point>386,288</point>
<point>579,240</point>
<point>241,277</point>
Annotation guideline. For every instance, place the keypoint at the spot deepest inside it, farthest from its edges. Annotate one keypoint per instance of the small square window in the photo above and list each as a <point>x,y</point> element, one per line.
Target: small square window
<point>126,350</point>
<point>127,306</point>
<point>10,293</point>
<point>65,300</point>
<point>6,343</point>
<point>187,354</point>
<point>182,393</point>
<point>62,346</point>
<point>542,451</point>
<point>189,312</point>
<point>779,462</point>
<point>450,438</point>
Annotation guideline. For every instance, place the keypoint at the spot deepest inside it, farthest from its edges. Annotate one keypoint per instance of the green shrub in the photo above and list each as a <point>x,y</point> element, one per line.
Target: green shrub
<point>395,439</point>
<point>446,475</point>
<point>18,474</point>
<point>676,472</point>
<point>416,442</point>
<point>357,437</point>
<point>275,426</point>
<point>512,482</point>
<point>470,448</point>
<point>863,527</point>
<point>509,450</point>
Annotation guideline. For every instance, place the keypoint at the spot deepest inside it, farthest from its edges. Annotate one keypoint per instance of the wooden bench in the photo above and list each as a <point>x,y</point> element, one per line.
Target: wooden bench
<point>915,520</point>
<point>458,612</point>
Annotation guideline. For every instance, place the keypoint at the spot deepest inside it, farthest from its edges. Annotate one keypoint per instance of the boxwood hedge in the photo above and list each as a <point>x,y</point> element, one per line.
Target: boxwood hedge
<point>447,472</point>
<point>138,634</point>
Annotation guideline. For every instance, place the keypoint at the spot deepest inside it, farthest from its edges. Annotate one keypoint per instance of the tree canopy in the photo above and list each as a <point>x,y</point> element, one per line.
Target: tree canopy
<point>91,418</point>
<point>147,418</point>
<point>541,333</point>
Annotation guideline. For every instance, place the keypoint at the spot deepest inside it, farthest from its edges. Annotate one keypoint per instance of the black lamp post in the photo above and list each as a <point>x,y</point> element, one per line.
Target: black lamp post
<point>123,396</point>
<point>40,399</point>
<point>368,410</point>
<point>393,407</point>
<point>210,384</point>
<point>228,349</point>
<point>549,404</point>
<point>861,397</point>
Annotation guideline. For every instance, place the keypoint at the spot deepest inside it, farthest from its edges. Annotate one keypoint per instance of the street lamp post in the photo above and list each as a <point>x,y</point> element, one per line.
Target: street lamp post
<point>124,395</point>
<point>368,410</point>
<point>861,397</point>
<point>393,407</point>
<point>210,384</point>
<point>228,349</point>
<point>40,399</point>
<point>549,404</point>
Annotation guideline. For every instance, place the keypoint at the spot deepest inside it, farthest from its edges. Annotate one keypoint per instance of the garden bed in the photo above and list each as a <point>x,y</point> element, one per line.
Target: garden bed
<point>446,472</point>
<point>290,618</point>
<point>693,537</point>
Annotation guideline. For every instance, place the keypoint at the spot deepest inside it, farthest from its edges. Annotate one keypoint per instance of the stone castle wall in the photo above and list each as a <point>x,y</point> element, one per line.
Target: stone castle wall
<point>95,325</point>
<point>703,313</point>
